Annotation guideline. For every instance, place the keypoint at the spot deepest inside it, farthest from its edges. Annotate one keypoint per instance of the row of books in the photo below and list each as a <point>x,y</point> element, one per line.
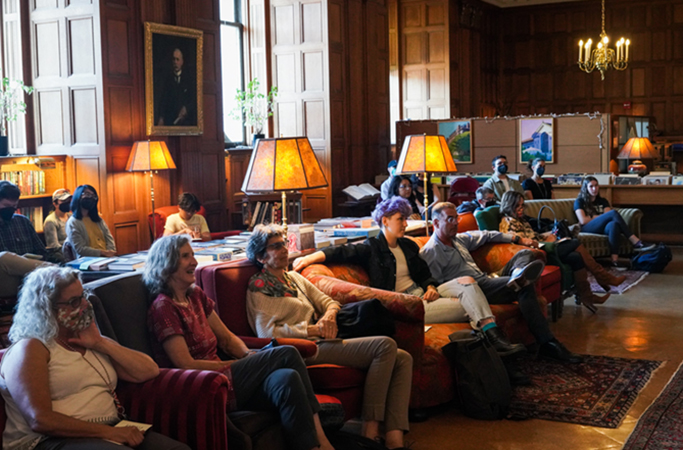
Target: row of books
<point>135,261</point>
<point>265,212</point>
<point>35,215</point>
<point>30,182</point>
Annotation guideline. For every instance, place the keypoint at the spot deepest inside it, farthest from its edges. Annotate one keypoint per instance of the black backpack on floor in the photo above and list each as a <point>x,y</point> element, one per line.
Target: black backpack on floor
<point>482,380</point>
<point>653,261</point>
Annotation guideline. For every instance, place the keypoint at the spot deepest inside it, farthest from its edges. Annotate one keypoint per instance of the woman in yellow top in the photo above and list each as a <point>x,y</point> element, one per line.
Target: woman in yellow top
<point>85,230</point>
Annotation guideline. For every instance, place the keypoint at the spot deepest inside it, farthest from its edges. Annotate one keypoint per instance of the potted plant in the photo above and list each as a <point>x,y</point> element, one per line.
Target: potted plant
<point>254,107</point>
<point>11,105</point>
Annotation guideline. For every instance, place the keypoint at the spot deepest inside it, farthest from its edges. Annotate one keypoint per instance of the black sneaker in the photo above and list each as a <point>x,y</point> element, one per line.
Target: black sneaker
<point>524,276</point>
<point>501,344</point>
<point>555,350</point>
<point>643,247</point>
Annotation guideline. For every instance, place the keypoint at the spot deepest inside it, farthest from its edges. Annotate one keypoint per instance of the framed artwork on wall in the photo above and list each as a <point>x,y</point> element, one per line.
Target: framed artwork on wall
<point>173,80</point>
<point>536,139</point>
<point>458,134</point>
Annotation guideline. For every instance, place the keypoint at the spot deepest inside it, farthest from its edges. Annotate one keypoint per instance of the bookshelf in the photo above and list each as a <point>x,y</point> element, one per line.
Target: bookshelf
<point>37,177</point>
<point>260,208</point>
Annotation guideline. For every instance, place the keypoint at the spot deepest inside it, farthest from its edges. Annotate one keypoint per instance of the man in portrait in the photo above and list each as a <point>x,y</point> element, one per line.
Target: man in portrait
<point>177,94</point>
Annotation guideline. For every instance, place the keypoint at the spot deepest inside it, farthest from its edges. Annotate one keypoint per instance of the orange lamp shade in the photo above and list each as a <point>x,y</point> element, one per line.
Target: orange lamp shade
<point>423,153</point>
<point>637,148</point>
<point>283,164</point>
<point>149,155</point>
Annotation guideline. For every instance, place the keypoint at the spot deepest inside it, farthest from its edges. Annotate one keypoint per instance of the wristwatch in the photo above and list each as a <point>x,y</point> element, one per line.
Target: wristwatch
<point>516,239</point>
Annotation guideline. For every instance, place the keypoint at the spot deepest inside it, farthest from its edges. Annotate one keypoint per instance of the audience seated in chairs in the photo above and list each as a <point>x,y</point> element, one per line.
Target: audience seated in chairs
<point>283,304</point>
<point>186,220</point>
<point>401,186</point>
<point>17,238</point>
<point>54,226</point>
<point>500,182</point>
<point>189,334</point>
<point>569,251</point>
<point>59,375</point>
<point>86,231</point>
<point>484,198</point>
<point>536,187</point>
<point>597,216</point>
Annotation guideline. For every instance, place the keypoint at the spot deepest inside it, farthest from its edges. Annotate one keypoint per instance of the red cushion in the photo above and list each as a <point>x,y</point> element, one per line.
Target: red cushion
<point>332,376</point>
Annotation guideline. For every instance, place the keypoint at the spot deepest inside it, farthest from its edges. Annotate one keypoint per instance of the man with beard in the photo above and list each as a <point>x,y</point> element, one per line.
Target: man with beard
<point>17,237</point>
<point>177,95</point>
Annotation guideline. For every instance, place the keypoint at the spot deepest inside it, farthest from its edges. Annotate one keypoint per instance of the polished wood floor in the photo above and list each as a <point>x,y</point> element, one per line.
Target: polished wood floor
<point>646,322</point>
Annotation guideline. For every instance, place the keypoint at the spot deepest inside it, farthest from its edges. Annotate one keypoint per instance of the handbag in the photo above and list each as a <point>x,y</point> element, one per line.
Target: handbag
<point>482,381</point>
<point>365,318</point>
<point>560,228</point>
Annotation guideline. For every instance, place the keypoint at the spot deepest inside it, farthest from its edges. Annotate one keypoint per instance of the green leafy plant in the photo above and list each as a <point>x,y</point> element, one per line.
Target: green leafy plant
<point>254,106</point>
<point>11,102</point>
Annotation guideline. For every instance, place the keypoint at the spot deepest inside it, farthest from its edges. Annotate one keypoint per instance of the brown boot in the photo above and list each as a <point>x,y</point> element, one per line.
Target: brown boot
<point>603,277</point>
<point>584,292</point>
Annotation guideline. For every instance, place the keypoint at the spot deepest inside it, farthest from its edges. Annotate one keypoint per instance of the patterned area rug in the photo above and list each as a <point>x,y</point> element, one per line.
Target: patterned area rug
<point>661,426</point>
<point>633,277</point>
<point>597,392</point>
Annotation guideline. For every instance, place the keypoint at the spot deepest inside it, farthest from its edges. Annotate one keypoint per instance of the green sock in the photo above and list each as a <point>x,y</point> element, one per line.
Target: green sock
<point>488,326</point>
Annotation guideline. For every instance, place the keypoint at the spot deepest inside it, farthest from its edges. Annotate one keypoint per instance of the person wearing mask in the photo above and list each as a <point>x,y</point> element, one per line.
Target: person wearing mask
<point>536,187</point>
<point>186,220</point>
<point>59,376</point>
<point>54,227</point>
<point>402,187</point>
<point>385,189</point>
<point>21,250</point>
<point>86,230</point>
<point>597,216</point>
<point>500,183</point>
<point>484,198</point>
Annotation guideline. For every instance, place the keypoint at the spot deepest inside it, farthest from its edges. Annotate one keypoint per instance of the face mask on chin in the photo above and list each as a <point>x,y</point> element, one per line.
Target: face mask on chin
<point>502,169</point>
<point>76,320</point>
<point>7,213</point>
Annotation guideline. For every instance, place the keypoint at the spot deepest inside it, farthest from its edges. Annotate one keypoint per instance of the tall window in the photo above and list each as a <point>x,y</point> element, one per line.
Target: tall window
<point>12,68</point>
<point>232,64</point>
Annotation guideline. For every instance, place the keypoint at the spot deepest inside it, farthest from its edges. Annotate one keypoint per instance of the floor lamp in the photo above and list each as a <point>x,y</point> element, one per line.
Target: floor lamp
<point>283,164</point>
<point>425,154</point>
<point>148,156</point>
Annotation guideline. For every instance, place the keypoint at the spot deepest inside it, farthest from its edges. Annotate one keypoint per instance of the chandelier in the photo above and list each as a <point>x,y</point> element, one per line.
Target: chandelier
<point>603,57</point>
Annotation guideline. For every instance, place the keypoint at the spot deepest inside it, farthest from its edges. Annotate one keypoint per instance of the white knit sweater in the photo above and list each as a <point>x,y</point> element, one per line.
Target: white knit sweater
<point>287,316</point>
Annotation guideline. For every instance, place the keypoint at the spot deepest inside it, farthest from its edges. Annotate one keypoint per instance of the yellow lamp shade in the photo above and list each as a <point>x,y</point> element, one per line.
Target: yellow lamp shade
<point>283,164</point>
<point>422,153</point>
<point>149,155</point>
<point>638,148</point>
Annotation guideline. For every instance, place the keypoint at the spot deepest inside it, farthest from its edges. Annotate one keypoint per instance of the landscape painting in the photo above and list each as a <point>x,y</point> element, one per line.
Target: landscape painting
<point>458,135</point>
<point>536,139</point>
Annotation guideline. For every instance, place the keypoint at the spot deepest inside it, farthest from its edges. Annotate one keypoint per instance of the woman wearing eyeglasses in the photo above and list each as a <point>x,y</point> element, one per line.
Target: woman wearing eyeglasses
<point>189,335</point>
<point>284,304</point>
<point>402,186</point>
<point>86,230</point>
<point>59,376</point>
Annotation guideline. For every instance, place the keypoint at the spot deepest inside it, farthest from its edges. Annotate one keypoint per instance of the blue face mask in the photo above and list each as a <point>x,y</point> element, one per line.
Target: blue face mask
<point>502,169</point>
<point>540,171</point>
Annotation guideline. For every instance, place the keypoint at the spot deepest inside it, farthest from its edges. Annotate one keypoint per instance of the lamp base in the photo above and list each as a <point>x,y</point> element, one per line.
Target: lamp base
<point>637,167</point>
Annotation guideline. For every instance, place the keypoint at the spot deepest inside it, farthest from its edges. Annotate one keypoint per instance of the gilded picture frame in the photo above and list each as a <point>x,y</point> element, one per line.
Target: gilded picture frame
<point>173,80</point>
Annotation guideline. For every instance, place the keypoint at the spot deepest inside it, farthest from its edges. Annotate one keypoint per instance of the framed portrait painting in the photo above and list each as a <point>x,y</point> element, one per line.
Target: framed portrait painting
<point>173,80</point>
<point>536,139</point>
<point>458,134</point>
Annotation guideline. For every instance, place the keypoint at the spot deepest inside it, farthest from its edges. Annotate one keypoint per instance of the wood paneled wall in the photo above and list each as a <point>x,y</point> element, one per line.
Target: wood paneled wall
<point>539,51</point>
<point>199,159</point>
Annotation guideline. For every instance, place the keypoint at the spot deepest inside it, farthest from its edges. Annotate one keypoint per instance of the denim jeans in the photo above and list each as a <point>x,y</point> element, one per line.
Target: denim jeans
<point>612,224</point>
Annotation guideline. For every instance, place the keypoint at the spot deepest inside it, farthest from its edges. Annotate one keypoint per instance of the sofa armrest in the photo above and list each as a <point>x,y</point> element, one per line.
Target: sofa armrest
<point>317,269</point>
<point>632,217</point>
<point>187,405</point>
<point>492,257</point>
<point>306,348</point>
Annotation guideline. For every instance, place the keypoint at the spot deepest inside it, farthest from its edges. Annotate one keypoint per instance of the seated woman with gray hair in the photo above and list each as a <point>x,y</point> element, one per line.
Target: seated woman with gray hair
<point>59,375</point>
<point>189,335</point>
<point>285,304</point>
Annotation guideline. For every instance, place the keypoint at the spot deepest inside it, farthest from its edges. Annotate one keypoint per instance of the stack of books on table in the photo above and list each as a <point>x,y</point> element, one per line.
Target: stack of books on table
<point>96,263</point>
<point>218,254</point>
<point>326,238</point>
<point>133,261</point>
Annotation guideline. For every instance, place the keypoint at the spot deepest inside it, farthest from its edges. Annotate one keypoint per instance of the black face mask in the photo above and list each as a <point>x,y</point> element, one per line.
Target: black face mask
<point>490,203</point>
<point>502,169</point>
<point>7,213</point>
<point>65,207</point>
<point>88,203</point>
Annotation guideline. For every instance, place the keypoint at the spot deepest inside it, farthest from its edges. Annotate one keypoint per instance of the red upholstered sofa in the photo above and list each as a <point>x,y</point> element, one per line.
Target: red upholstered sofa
<point>187,405</point>
<point>158,220</point>
<point>432,375</point>
<point>227,285</point>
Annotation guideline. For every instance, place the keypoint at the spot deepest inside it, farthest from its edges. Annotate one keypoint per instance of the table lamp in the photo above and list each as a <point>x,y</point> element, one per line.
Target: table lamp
<point>637,149</point>
<point>148,156</point>
<point>281,165</point>
<point>425,154</point>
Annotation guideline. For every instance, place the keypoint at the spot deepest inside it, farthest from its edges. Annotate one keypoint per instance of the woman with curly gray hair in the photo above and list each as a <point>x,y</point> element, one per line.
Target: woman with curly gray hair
<point>285,304</point>
<point>59,375</point>
<point>189,334</point>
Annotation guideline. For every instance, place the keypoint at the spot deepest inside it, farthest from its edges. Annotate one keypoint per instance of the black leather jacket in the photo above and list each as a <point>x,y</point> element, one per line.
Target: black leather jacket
<point>375,257</point>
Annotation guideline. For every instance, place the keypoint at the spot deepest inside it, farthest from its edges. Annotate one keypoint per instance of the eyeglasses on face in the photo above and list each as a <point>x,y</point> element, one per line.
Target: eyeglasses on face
<point>278,245</point>
<point>405,187</point>
<point>74,302</point>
